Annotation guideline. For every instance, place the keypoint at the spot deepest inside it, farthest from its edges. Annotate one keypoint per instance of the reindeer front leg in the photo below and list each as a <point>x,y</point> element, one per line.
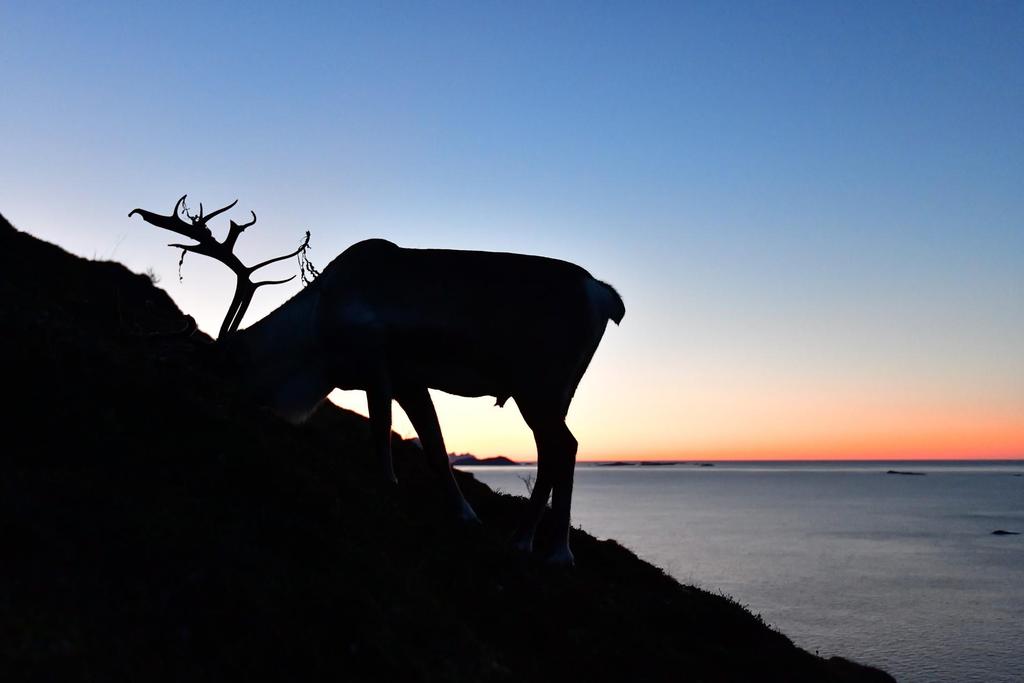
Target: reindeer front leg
<point>378,400</point>
<point>417,404</point>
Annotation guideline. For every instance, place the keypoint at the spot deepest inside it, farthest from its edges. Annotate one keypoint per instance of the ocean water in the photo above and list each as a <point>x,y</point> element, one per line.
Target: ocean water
<point>901,572</point>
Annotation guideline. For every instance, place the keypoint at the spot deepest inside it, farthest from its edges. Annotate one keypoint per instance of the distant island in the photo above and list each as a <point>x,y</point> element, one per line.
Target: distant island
<point>906,474</point>
<point>470,459</point>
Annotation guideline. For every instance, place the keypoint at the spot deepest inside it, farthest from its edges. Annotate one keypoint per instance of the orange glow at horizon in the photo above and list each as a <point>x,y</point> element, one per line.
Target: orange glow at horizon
<point>476,426</point>
<point>676,402</point>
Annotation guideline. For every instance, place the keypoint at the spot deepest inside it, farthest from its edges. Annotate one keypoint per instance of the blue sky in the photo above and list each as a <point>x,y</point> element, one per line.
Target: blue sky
<point>814,211</point>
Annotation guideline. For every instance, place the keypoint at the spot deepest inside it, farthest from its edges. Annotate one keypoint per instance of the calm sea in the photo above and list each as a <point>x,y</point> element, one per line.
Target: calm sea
<point>902,572</point>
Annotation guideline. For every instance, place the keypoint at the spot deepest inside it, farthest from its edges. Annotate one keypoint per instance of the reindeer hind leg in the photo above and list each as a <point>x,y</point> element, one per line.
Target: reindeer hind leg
<point>556,461</point>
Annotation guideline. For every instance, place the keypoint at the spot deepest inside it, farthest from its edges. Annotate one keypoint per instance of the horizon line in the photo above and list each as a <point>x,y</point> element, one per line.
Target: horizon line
<point>639,460</point>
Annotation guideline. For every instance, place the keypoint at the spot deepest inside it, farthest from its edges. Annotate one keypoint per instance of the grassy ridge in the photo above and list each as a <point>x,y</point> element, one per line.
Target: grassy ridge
<point>161,527</point>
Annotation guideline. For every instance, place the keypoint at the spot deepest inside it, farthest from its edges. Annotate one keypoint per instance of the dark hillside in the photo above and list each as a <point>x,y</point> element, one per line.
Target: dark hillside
<point>156,526</point>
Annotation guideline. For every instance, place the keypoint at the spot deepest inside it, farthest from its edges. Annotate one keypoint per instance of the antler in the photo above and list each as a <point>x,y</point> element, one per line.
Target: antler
<point>196,229</point>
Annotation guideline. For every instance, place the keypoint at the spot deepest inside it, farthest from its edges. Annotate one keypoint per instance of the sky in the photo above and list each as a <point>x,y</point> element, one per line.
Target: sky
<point>814,211</point>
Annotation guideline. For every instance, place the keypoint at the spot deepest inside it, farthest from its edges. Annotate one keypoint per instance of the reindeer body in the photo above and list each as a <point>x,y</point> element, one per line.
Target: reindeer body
<point>396,322</point>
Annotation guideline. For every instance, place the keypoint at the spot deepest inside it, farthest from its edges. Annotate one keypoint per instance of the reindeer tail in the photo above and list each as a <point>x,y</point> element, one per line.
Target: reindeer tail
<point>611,302</point>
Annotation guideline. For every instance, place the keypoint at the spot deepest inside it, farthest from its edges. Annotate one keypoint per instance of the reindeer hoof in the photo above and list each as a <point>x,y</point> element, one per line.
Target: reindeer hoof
<point>560,558</point>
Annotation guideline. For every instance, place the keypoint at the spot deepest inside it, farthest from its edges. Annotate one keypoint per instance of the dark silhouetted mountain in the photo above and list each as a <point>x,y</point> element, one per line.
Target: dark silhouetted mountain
<point>157,526</point>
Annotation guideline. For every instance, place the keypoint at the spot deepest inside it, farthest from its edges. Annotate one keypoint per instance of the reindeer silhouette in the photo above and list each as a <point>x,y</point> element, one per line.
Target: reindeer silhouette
<point>395,322</point>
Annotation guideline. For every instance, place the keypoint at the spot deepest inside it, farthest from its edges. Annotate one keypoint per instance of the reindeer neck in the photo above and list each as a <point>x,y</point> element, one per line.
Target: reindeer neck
<point>285,365</point>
